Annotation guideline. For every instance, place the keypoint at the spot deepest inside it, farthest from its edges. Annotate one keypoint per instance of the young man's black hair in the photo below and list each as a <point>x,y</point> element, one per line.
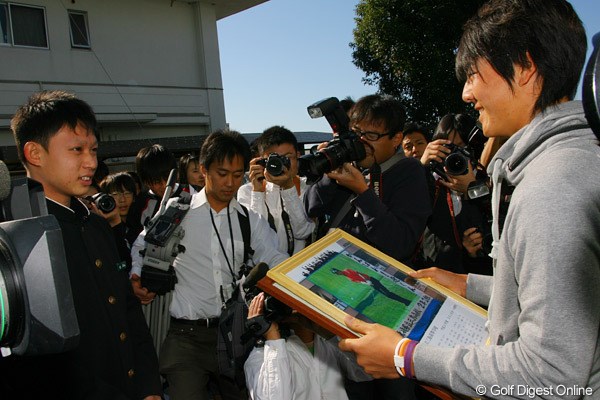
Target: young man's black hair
<point>154,163</point>
<point>45,113</point>
<point>224,144</point>
<point>411,127</point>
<point>379,109</point>
<point>274,136</point>
<point>553,51</point>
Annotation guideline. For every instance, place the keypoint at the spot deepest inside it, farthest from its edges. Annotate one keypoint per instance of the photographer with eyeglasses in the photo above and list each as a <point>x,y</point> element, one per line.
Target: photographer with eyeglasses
<point>382,199</point>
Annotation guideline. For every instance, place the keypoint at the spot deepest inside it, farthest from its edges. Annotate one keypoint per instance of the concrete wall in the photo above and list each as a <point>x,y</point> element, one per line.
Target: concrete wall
<point>153,67</point>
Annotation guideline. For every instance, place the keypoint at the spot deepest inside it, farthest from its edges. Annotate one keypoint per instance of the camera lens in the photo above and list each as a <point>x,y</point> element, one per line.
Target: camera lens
<point>275,166</point>
<point>104,202</point>
<point>457,164</point>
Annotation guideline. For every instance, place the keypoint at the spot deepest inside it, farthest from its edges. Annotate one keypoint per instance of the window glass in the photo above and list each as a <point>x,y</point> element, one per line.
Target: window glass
<point>28,26</point>
<point>79,29</point>
<point>4,27</point>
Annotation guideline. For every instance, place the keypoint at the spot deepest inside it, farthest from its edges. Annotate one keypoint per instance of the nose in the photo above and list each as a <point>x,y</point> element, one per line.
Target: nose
<point>90,161</point>
<point>467,93</point>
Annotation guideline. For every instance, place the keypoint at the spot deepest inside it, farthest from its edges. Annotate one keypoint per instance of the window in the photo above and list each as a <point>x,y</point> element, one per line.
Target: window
<point>22,25</point>
<point>4,28</point>
<point>80,36</point>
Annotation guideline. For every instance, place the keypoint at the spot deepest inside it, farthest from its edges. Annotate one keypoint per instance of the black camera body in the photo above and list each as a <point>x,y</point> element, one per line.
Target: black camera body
<point>455,163</point>
<point>345,147</point>
<point>275,164</point>
<point>103,201</point>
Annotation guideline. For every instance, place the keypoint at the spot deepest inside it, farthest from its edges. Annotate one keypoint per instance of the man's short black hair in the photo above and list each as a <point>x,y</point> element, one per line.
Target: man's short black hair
<point>412,127</point>
<point>154,163</point>
<point>503,32</point>
<point>44,114</point>
<point>118,182</point>
<point>275,136</point>
<point>379,109</point>
<point>224,144</point>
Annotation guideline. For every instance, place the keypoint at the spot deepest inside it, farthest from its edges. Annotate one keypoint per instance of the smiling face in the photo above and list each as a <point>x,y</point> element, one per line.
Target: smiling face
<point>223,179</point>
<point>67,167</point>
<point>503,109</point>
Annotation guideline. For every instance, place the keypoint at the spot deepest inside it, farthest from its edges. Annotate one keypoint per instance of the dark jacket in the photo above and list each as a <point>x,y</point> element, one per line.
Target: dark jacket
<point>115,358</point>
<point>393,222</point>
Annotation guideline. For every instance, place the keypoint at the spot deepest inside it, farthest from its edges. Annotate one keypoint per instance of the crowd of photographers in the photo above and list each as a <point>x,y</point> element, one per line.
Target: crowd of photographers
<point>423,199</point>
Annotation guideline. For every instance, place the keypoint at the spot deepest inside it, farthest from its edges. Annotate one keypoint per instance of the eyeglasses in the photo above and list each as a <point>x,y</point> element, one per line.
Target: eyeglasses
<point>370,136</point>
<point>126,195</point>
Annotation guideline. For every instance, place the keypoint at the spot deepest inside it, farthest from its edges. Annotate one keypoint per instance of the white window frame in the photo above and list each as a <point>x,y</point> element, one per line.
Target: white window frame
<point>87,29</point>
<point>11,42</point>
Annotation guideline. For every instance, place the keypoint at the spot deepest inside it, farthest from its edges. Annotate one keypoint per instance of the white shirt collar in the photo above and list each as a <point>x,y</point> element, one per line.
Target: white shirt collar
<point>199,199</point>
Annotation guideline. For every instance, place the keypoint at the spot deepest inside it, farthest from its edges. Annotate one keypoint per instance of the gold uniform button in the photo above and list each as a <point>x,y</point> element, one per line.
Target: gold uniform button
<point>112,299</point>
<point>123,336</point>
<point>98,263</point>
<point>131,373</point>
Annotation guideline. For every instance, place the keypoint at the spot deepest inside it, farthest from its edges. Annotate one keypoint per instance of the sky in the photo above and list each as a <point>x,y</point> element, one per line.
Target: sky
<point>281,56</point>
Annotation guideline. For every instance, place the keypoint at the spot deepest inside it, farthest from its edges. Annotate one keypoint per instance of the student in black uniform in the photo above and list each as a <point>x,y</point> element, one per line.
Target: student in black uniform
<point>115,358</point>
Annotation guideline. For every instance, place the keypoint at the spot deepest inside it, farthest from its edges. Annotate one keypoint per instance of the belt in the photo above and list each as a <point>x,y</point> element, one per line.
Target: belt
<point>206,322</point>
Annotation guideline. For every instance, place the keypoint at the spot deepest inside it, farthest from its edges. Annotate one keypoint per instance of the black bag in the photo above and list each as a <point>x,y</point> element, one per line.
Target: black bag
<point>232,352</point>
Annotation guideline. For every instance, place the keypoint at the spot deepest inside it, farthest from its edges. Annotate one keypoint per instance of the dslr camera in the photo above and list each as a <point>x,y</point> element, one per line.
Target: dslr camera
<point>275,163</point>
<point>103,201</point>
<point>345,147</point>
<point>457,162</point>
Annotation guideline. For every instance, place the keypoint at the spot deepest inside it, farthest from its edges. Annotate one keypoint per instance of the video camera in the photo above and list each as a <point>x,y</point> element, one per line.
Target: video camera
<point>275,310</point>
<point>345,147</point>
<point>163,236</point>
<point>275,163</point>
<point>37,314</point>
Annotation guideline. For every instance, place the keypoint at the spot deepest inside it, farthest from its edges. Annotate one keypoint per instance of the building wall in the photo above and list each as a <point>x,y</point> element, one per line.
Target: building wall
<point>153,67</point>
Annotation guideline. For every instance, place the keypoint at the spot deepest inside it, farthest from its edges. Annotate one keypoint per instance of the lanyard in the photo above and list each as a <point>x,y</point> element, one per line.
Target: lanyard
<point>223,247</point>
<point>289,233</point>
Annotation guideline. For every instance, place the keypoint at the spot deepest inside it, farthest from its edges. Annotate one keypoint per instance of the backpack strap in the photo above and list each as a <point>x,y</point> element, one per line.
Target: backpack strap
<point>244,219</point>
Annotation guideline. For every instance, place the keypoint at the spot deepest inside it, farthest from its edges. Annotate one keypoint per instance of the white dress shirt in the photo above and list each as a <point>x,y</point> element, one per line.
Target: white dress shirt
<point>302,226</point>
<point>202,268</point>
<point>285,369</point>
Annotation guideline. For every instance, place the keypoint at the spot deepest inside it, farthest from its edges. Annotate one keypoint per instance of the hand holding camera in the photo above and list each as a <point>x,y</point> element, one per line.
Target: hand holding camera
<point>350,177</point>
<point>275,168</point>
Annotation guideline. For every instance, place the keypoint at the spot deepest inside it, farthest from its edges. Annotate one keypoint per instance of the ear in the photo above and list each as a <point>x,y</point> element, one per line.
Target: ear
<point>203,170</point>
<point>525,75</point>
<point>397,139</point>
<point>33,152</point>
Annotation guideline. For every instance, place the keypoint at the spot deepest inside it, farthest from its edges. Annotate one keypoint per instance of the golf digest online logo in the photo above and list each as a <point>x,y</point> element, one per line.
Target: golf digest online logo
<point>532,392</point>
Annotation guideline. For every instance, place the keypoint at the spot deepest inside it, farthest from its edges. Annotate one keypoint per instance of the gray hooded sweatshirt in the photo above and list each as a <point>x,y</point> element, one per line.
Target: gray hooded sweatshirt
<point>544,297</point>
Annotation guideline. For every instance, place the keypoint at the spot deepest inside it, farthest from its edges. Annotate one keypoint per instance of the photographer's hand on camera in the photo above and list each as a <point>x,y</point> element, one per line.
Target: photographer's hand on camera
<point>257,308</point>
<point>256,174</point>
<point>350,177</point>
<point>112,217</point>
<point>459,183</point>
<point>435,151</point>
<point>142,293</point>
<point>472,241</point>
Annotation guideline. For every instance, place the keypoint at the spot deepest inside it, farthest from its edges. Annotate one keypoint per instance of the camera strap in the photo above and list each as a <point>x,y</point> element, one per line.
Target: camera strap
<point>438,187</point>
<point>229,264</point>
<point>285,217</point>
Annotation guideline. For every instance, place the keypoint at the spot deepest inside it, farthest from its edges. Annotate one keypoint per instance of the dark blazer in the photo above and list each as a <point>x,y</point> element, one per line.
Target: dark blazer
<point>393,222</point>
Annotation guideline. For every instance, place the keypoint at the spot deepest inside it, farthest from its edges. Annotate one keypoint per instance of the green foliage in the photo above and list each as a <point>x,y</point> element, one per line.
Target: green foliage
<point>407,49</point>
